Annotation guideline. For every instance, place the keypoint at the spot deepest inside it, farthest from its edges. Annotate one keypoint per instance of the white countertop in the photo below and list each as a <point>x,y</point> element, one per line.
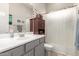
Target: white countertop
<point>9,43</point>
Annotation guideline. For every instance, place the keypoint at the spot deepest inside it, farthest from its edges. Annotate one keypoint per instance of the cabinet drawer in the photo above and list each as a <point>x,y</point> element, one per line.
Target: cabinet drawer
<point>7,53</point>
<point>42,40</point>
<point>18,51</point>
<point>31,45</point>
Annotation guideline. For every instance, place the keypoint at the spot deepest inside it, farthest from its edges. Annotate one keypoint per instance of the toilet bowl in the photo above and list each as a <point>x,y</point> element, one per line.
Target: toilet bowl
<point>49,49</point>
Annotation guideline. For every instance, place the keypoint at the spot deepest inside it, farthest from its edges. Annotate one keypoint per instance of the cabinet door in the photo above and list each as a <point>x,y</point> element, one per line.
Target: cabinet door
<point>39,50</point>
<point>42,40</point>
<point>18,51</point>
<point>8,53</point>
<point>31,53</point>
<point>31,45</point>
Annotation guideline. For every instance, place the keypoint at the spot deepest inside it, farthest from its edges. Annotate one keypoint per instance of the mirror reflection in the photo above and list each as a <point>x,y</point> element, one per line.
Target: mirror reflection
<point>21,18</point>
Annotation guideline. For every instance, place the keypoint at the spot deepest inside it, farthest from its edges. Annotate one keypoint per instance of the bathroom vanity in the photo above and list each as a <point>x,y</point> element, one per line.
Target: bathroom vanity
<point>29,45</point>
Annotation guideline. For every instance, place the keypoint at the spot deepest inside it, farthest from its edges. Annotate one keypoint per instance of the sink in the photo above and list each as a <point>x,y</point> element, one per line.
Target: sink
<point>22,36</point>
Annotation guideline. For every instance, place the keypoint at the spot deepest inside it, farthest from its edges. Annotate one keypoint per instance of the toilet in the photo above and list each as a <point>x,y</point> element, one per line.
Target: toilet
<point>48,49</point>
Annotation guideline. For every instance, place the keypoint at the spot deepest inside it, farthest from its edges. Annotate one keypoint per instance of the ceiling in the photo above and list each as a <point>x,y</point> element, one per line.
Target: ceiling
<point>48,7</point>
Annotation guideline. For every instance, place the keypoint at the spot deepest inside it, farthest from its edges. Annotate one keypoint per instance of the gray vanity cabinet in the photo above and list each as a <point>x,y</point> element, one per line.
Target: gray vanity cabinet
<point>33,48</point>
<point>8,53</point>
<point>18,51</point>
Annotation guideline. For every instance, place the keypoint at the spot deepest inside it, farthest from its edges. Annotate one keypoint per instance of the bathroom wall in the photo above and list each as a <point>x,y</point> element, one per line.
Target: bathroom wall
<point>60,30</point>
<point>22,12</point>
<point>4,12</point>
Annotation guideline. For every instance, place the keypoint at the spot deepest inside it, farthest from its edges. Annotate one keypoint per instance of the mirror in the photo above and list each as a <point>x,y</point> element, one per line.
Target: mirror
<point>14,17</point>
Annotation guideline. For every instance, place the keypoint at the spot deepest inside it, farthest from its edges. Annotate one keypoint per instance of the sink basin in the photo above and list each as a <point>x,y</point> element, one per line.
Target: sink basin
<point>22,36</point>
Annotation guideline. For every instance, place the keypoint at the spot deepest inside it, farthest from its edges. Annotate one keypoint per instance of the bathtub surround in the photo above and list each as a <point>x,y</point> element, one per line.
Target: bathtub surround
<point>61,30</point>
<point>77,30</point>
